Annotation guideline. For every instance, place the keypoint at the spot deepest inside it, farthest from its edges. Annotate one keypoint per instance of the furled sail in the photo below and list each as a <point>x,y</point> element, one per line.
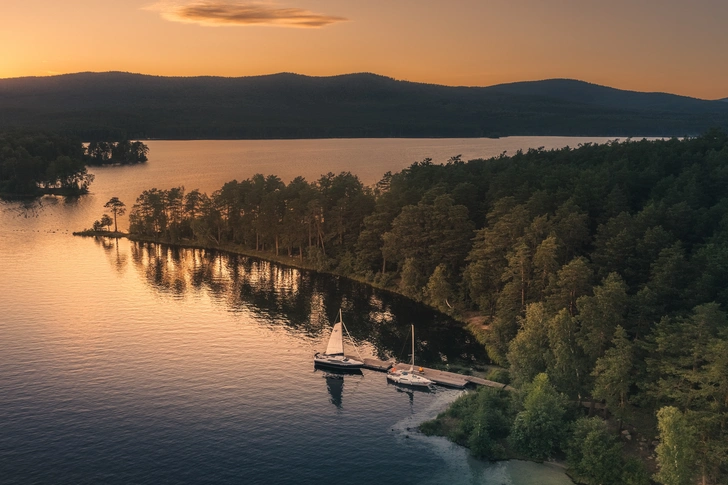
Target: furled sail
<point>336,341</point>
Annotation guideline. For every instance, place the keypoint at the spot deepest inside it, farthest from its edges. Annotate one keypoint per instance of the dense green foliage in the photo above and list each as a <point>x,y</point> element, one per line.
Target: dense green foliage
<point>34,164</point>
<point>603,267</point>
<point>534,423</point>
<point>321,220</point>
<point>676,453</point>
<point>595,456</point>
<point>479,420</point>
<point>112,106</point>
<point>537,430</point>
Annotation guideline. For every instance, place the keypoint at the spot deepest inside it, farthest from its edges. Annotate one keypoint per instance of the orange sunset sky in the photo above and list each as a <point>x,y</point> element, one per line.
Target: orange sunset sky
<point>646,45</point>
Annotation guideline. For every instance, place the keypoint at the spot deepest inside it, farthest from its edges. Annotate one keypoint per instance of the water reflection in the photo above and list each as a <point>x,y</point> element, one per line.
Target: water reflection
<point>304,302</point>
<point>335,382</point>
<point>335,386</point>
<point>24,208</point>
<point>117,257</point>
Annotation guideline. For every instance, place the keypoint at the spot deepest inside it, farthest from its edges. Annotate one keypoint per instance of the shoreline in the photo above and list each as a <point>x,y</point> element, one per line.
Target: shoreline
<point>56,192</point>
<point>471,323</point>
<point>497,469</point>
<point>289,261</point>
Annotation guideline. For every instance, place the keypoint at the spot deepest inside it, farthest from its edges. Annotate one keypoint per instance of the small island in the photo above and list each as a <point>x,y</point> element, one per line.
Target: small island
<point>42,163</point>
<point>35,164</point>
<point>123,152</point>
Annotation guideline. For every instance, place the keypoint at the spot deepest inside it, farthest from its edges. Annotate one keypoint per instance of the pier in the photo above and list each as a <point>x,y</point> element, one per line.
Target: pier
<point>375,364</point>
<point>439,377</point>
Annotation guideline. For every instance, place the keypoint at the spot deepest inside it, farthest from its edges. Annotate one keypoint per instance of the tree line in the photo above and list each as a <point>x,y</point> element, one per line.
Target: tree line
<point>319,220</point>
<point>33,164</point>
<point>602,268</point>
<point>123,152</point>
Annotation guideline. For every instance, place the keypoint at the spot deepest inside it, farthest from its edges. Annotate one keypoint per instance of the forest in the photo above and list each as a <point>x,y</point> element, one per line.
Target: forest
<point>42,163</point>
<point>595,274</point>
<point>36,163</point>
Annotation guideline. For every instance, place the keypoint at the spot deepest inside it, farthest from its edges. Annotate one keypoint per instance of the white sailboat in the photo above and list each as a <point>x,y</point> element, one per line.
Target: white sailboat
<point>409,378</point>
<point>334,355</point>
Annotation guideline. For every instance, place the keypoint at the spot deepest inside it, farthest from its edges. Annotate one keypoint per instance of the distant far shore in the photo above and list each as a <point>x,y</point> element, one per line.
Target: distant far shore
<point>288,106</point>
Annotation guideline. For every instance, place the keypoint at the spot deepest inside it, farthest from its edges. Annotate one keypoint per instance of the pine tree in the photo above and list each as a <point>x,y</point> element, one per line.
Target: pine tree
<point>613,373</point>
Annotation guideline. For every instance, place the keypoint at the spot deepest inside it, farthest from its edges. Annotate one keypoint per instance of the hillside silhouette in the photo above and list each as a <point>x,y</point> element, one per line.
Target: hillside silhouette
<point>116,105</point>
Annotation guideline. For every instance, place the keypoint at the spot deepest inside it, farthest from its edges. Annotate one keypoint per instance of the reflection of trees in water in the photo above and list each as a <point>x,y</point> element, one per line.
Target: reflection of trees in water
<point>176,271</point>
<point>110,245</point>
<point>304,301</point>
<point>28,208</point>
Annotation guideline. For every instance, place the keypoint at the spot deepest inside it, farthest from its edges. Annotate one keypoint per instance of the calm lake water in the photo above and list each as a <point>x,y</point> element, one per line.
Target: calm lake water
<point>136,363</point>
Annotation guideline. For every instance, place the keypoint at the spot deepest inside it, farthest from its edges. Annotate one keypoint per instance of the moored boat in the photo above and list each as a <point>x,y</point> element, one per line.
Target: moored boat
<point>408,377</point>
<point>334,355</point>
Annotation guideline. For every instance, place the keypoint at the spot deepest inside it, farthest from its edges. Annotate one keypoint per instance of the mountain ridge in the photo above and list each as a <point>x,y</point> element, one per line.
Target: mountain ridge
<point>289,105</point>
<point>353,74</point>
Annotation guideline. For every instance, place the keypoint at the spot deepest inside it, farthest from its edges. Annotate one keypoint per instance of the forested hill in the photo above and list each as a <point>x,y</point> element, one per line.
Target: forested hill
<point>121,105</point>
<point>586,93</point>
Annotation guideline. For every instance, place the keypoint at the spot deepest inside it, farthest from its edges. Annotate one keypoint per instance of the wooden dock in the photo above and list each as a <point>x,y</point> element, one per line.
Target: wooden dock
<point>375,364</point>
<point>485,382</point>
<point>439,377</point>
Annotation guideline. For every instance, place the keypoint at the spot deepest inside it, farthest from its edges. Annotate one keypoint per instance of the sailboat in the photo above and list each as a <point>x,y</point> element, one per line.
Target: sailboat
<point>334,355</point>
<point>409,378</point>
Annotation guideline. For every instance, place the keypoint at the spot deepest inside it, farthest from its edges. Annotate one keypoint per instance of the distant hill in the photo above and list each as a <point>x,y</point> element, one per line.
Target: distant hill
<point>115,104</point>
<point>582,92</point>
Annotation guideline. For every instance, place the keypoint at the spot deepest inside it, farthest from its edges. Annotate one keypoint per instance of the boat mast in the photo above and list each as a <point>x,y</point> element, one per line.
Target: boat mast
<point>341,320</point>
<point>343,325</point>
<point>412,367</point>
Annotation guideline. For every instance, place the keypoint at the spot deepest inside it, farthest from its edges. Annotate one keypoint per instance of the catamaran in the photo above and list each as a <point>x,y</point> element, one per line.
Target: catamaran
<point>409,378</point>
<point>334,355</point>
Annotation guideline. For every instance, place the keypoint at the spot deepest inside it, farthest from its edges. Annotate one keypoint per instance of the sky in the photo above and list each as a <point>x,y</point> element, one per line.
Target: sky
<point>674,46</point>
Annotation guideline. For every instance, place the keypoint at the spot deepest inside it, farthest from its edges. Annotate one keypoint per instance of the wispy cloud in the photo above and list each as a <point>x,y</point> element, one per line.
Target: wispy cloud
<point>216,13</point>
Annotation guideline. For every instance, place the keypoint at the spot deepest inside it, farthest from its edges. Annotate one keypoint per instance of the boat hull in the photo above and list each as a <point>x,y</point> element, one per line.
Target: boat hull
<point>408,379</point>
<point>336,361</point>
<point>337,372</point>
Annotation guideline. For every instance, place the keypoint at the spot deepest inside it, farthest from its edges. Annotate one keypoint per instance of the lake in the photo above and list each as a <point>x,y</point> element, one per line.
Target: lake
<point>141,363</point>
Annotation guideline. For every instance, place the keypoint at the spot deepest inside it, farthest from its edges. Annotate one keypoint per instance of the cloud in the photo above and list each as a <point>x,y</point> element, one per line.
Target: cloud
<point>216,13</point>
